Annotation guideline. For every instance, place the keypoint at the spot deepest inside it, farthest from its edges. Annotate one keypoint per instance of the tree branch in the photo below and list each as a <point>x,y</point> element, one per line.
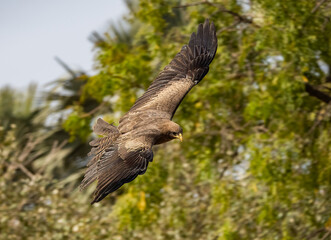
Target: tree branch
<point>93,110</point>
<point>241,18</point>
<point>317,6</point>
<point>316,93</point>
<point>228,27</point>
<point>66,67</point>
<point>25,170</point>
<point>195,4</point>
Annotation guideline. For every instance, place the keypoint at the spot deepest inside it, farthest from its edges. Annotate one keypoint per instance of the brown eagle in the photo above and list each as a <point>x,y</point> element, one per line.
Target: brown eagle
<point>124,152</point>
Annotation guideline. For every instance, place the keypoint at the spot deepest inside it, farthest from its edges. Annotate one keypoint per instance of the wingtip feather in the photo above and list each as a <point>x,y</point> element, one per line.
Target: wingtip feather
<point>192,40</point>
<point>204,37</point>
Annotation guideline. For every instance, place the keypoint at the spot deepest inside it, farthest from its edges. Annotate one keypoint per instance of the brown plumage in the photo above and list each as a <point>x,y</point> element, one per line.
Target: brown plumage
<point>124,152</point>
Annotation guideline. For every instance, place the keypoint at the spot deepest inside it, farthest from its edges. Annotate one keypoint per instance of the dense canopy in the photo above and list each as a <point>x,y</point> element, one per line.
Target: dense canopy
<point>255,162</point>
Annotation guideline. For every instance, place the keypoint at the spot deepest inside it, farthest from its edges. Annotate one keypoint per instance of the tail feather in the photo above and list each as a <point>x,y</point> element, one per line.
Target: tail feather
<point>103,128</point>
<point>99,147</point>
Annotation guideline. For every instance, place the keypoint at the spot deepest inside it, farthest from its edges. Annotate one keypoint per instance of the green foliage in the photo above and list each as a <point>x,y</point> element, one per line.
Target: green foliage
<point>255,161</point>
<point>77,126</point>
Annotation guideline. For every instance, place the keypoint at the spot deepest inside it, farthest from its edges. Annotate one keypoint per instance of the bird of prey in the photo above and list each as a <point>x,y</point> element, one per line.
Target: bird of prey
<point>125,151</point>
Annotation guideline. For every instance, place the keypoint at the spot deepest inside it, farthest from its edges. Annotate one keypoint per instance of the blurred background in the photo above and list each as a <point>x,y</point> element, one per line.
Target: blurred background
<point>255,162</point>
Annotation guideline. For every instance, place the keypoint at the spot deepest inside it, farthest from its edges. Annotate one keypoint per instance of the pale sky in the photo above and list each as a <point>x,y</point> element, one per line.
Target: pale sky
<point>33,32</point>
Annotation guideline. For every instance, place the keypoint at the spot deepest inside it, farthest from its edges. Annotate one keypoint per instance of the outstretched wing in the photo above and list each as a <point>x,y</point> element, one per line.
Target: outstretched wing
<point>99,147</point>
<point>119,165</point>
<point>187,69</point>
<point>114,160</point>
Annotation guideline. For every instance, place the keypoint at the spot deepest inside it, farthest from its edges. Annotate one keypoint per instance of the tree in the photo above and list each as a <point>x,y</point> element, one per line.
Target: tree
<point>255,161</point>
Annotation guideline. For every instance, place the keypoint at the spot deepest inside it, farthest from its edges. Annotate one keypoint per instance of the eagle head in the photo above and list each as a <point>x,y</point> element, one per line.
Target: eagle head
<point>169,131</point>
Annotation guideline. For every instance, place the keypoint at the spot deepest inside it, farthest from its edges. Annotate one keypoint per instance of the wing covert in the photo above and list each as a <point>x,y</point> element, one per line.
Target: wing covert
<point>114,170</point>
<point>113,164</point>
<point>186,70</point>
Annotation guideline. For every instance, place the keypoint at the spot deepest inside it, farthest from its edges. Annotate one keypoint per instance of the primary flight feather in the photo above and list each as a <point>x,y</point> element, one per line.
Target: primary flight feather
<point>124,152</point>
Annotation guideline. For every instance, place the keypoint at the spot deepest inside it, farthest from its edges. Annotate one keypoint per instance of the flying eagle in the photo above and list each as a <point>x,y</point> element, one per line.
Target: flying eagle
<point>125,151</point>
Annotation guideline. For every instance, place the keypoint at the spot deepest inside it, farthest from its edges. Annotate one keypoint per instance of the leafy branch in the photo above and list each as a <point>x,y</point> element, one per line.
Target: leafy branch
<point>221,8</point>
<point>312,91</point>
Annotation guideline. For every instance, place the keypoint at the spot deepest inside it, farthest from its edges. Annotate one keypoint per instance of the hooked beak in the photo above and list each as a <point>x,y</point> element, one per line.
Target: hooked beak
<point>180,137</point>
